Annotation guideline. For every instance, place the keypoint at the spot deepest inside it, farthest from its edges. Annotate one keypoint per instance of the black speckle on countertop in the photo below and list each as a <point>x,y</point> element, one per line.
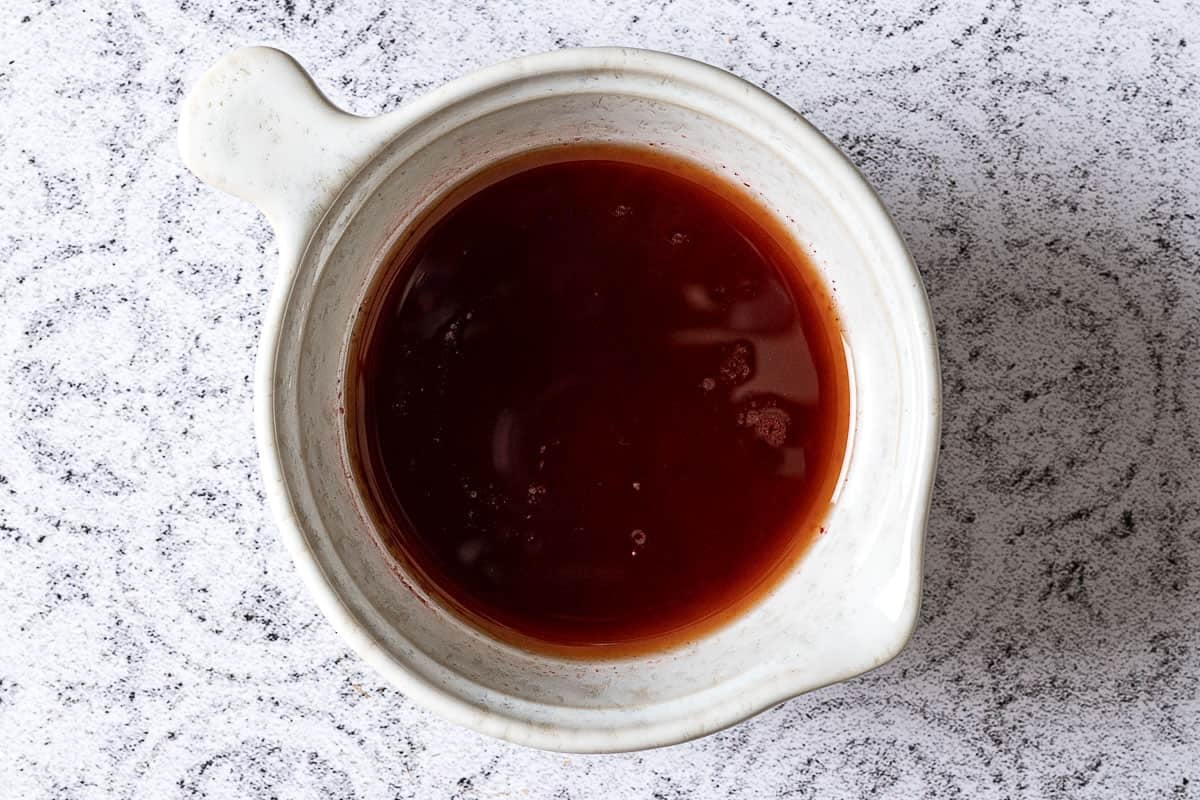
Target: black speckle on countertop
<point>1042,161</point>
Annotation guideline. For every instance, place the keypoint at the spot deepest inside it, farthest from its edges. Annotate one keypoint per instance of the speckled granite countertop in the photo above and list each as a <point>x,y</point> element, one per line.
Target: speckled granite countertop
<point>1043,161</point>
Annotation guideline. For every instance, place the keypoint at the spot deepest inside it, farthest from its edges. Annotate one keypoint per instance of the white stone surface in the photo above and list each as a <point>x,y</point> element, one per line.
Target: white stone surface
<point>1042,161</point>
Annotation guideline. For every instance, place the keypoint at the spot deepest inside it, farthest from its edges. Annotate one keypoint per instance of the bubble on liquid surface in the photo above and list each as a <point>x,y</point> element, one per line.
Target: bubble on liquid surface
<point>769,425</point>
<point>708,384</point>
<point>736,366</point>
<point>638,536</point>
<point>678,238</point>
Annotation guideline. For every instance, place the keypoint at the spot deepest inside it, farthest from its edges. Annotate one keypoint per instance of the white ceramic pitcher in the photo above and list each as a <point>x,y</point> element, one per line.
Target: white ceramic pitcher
<point>338,189</point>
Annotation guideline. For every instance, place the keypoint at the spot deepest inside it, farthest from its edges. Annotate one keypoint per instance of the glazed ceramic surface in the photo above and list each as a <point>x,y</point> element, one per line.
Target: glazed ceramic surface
<point>339,189</point>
